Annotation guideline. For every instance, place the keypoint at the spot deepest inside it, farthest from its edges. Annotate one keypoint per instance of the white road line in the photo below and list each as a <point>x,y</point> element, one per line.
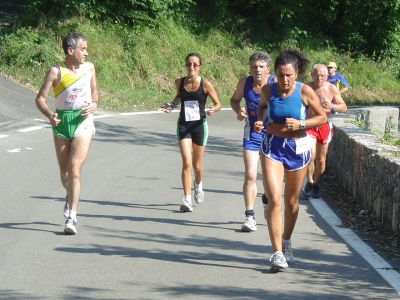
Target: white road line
<point>375,260</point>
<point>102,116</point>
<point>33,128</point>
<point>141,113</point>
<point>157,112</point>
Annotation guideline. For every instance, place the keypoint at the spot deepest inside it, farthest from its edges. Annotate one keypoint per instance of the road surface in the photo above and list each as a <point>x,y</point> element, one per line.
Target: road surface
<point>134,243</point>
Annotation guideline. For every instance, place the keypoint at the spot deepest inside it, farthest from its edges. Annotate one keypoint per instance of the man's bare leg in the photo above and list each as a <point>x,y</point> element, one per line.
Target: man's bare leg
<point>250,159</point>
<point>71,154</point>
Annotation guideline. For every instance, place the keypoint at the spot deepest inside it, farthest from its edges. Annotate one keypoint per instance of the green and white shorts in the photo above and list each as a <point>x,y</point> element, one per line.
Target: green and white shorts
<point>72,124</point>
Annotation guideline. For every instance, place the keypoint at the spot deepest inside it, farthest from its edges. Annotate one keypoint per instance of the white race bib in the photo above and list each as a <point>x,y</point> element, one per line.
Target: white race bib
<point>192,110</point>
<point>303,144</point>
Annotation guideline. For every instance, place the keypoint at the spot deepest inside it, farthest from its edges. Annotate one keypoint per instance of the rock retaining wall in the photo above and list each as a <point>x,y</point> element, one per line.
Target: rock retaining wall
<point>364,167</point>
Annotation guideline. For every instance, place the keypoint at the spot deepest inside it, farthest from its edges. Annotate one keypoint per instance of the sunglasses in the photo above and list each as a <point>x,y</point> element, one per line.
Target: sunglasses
<point>195,66</point>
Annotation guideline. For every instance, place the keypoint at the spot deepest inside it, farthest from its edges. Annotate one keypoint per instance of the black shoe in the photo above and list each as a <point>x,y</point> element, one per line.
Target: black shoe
<point>315,192</point>
<point>264,199</point>
<point>308,189</point>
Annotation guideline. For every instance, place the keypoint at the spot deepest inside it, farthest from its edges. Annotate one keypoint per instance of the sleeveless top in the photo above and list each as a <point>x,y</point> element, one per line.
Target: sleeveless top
<point>252,100</point>
<point>73,92</point>
<point>193,104</point>
<point>290,107</point>
<point>338,80</point>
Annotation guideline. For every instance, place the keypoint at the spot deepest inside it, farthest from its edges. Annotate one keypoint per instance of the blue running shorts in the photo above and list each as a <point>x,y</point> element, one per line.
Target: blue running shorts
<point>283,150</point>
<point>251,139</point>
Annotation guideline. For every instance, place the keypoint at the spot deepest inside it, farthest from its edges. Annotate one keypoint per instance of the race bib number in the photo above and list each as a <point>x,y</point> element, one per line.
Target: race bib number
<point>303,144</point>
<point>192,110</point>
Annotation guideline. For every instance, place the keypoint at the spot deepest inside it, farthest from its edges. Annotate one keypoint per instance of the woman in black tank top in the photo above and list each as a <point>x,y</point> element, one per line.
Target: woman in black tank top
<point>192,130</point>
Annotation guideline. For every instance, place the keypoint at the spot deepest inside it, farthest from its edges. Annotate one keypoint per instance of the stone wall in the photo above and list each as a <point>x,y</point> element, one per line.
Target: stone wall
<point>364,167</point>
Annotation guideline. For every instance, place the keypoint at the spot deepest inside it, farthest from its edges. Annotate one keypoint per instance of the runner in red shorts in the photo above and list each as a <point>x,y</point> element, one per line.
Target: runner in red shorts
<point>321,136</point>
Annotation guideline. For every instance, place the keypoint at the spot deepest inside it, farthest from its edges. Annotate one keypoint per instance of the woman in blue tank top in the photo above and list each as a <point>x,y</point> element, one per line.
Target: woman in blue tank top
<point>192,130</point>
<point>285,149</point>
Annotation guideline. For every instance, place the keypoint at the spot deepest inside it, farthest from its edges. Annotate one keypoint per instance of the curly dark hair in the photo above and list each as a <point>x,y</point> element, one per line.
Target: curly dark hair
<point>293,57</point>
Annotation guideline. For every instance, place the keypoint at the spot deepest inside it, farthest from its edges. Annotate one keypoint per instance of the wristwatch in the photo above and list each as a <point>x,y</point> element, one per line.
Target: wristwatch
<point>302,124</point>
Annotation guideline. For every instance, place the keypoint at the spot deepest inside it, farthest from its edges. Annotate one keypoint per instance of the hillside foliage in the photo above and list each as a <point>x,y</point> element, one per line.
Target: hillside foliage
<point>138,46</point>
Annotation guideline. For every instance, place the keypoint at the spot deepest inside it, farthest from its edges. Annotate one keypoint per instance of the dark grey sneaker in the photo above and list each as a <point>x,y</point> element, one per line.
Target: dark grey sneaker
<point>316,192</point>
<point>288,252</point>
<point>265,204</point>
<point>265,211</point>
<point>308,188</point>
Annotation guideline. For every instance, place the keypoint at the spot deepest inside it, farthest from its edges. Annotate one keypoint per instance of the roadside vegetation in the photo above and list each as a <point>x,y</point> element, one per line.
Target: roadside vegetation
<point>138,57</point>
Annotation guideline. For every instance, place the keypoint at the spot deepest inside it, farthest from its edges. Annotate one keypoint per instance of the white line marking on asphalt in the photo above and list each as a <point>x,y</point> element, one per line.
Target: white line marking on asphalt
<point>143,113</point>
<point>156,112</point>
<point>375,260</point>
<point>33,128</point>
<point>102,116</point>
<point>14,150</point>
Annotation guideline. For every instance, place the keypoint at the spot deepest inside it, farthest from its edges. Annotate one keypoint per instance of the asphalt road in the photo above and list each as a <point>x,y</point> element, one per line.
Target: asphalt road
<point>133,242</point>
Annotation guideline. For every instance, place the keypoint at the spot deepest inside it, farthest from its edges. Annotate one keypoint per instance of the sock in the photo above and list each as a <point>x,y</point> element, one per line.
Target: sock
<point>198,186</point>
<point>249,213</point>
<point>188,198</point>
<point>284,242</point>
<point>72,214</point>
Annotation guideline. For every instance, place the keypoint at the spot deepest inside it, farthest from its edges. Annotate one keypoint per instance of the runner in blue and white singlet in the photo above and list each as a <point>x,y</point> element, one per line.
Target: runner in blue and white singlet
<point>251,139</point>
<point>285,150</point>
<point>249,88</point>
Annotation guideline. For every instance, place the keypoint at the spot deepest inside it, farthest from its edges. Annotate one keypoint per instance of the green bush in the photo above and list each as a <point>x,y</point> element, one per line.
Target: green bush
<point>26,48</point>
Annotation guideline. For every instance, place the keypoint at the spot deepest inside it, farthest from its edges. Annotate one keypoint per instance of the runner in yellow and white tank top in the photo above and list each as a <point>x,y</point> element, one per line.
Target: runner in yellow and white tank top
<point>73,93</point>
<point>75,87</point>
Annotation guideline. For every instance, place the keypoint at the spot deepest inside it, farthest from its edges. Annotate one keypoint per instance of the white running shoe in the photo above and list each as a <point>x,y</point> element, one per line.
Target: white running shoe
<point>198,194</point>
<point>287,252</point>
<point>278,262</point>
<point>66,208</point>
<point>249,224</point>
<point>186,206</point>
<point>70,226</point>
